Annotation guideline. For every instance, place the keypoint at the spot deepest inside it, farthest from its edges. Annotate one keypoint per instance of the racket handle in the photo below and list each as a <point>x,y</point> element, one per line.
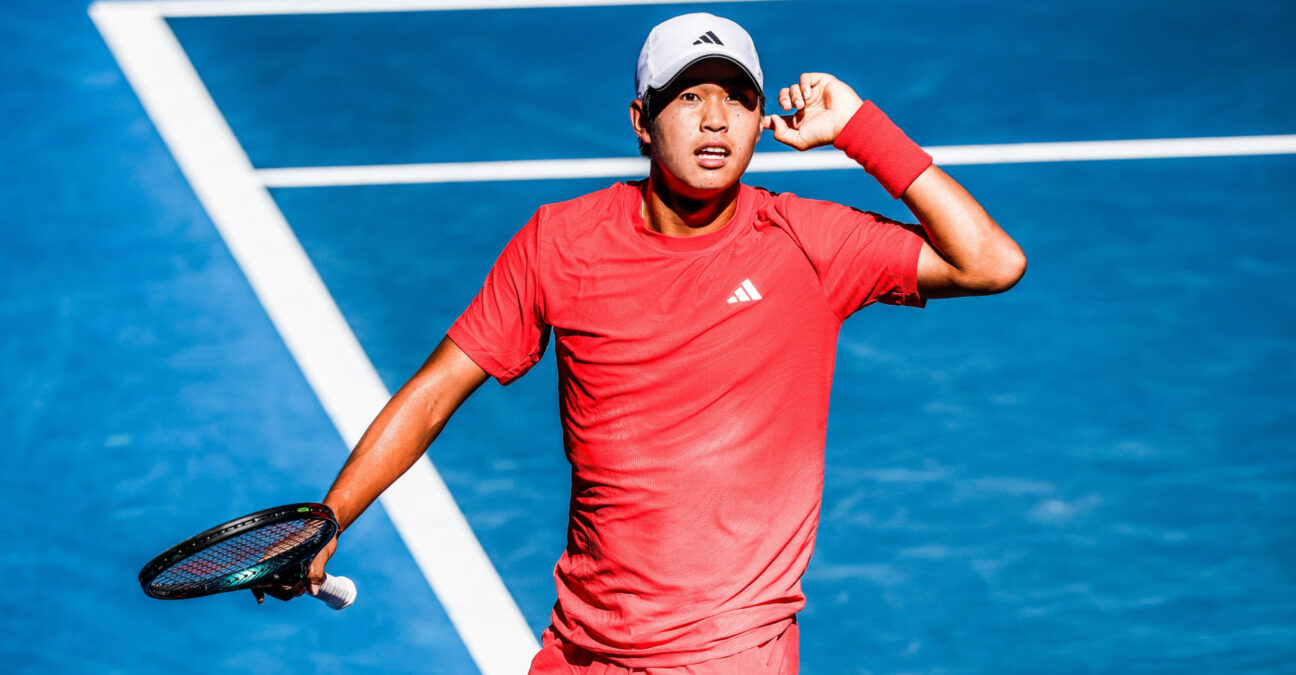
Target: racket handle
<point>337,592</point>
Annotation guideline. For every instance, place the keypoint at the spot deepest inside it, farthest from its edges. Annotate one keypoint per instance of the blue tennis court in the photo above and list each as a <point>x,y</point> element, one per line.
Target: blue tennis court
<point>1093,472</point>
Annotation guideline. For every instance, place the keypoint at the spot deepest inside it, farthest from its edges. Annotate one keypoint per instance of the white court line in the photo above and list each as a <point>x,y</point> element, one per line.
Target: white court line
<point>419,504</point>
<point>192,8</point>
<point>815,160</point>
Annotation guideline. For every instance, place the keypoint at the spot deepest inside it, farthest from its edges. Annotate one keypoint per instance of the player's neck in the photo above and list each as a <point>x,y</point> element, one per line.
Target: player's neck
<point>674,214</point>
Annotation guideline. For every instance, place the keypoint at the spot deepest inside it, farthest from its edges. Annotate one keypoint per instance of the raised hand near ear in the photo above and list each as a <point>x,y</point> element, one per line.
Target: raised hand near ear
<point>823,104</point>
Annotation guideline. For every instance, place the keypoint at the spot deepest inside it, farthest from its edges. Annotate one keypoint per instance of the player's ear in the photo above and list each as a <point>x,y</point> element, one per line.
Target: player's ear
<point>639,120</point>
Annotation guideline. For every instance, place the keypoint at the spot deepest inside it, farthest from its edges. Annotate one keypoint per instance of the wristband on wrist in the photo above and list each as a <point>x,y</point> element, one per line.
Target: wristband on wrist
<point>885,152</point>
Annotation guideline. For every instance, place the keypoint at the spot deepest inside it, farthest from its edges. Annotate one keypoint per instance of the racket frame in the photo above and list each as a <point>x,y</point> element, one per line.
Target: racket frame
<point>287,574</point>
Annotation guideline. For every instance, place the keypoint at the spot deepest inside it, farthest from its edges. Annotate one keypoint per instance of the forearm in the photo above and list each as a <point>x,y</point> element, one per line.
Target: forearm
<point>404,429</point>
<point>980,256</point>
<point>389,447</point>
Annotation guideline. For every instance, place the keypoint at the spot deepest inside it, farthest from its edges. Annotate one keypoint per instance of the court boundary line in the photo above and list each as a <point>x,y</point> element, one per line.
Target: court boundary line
<point>213,8</point>
<point>419,504</point>
<point>814,160</point>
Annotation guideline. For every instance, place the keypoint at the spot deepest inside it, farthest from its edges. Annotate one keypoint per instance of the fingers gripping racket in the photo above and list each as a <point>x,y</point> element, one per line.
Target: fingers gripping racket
<point>267,549</point>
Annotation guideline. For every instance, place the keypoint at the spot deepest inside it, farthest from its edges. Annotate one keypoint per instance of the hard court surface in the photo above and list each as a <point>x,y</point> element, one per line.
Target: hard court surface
<point>1092,473</point>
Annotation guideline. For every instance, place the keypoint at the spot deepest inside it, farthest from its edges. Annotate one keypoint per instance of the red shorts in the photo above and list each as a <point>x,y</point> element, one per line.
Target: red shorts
<point>778,656</point>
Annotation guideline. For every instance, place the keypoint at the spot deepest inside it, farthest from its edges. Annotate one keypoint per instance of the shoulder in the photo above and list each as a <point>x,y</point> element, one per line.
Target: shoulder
<point>825,229</point>
<point>603,203</point>
<point>576,228</point>
<point>788,211</point>
<point>567,223</point>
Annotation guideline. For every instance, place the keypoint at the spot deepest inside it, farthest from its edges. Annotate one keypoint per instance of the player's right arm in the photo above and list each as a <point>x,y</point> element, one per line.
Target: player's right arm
<point>400,434</point>
<point>404,429</point>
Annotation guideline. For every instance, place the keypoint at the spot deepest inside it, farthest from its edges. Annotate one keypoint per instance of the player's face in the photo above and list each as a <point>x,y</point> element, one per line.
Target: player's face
<point>704,137</point>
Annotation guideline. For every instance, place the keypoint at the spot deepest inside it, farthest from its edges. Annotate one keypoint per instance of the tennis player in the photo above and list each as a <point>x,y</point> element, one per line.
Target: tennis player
<point>695,321</point>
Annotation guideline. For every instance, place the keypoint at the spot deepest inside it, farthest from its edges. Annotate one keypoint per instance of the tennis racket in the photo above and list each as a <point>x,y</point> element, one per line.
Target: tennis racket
<point>269,548</point>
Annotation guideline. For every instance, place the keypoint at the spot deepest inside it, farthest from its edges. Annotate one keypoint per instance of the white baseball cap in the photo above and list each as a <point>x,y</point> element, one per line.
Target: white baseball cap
<point>676,44</point>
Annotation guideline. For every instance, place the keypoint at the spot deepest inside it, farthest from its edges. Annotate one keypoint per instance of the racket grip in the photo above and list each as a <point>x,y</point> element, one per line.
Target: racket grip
<point>337,592</point>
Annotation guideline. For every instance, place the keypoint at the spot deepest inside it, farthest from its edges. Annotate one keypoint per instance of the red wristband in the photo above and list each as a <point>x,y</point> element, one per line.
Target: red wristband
<point>873,140</point>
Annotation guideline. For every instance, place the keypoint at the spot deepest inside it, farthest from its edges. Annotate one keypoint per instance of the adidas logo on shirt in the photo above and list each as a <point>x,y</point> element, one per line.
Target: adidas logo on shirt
<point>746,293</point>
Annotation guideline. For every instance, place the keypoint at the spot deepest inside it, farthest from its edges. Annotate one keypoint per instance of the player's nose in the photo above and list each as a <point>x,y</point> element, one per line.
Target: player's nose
<point>714,115</point>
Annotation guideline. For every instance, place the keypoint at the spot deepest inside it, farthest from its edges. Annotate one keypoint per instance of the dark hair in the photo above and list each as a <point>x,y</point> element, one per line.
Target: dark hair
<point>650,112</point>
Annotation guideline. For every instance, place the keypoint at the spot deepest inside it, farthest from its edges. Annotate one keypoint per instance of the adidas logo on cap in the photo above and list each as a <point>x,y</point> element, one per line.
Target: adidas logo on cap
<point>710,38</point>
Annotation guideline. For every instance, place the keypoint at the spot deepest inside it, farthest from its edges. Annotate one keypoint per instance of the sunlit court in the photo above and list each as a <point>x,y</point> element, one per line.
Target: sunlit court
<point>236,227</point>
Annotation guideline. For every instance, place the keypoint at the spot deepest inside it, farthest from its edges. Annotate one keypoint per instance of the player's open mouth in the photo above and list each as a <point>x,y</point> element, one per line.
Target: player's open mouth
<point>712,156</point>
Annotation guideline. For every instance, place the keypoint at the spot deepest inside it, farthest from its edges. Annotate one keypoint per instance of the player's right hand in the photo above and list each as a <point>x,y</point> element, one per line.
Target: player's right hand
<point>315,577</point>
<point>311,584</point>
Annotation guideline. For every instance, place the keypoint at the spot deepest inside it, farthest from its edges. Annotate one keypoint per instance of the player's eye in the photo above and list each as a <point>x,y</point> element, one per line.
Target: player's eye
<point>690,96</point>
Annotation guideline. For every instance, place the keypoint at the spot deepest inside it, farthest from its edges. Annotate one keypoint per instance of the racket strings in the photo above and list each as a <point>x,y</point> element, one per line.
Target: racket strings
<point>241,559</point>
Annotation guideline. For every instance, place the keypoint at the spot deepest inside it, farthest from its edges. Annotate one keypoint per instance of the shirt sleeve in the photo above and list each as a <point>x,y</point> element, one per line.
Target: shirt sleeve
<point>502,330</point>
<point>860,257</point>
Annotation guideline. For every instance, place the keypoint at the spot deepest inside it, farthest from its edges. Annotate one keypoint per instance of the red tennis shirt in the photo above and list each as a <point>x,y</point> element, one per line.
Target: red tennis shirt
<point>693,376</point>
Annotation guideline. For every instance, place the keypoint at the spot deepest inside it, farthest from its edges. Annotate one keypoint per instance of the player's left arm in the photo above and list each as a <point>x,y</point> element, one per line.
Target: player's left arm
<point>966,252</point>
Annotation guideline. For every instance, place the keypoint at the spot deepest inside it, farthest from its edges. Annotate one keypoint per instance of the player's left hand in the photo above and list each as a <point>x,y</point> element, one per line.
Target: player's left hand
<point>823,104</point>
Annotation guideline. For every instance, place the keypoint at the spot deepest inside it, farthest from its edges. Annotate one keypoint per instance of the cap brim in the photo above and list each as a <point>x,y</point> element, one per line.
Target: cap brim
<point>703,57</point>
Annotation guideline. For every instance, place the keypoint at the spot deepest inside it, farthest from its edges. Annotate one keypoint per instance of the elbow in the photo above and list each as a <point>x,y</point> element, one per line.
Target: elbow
<point>1001,274</point>
<point>1010,270</point>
